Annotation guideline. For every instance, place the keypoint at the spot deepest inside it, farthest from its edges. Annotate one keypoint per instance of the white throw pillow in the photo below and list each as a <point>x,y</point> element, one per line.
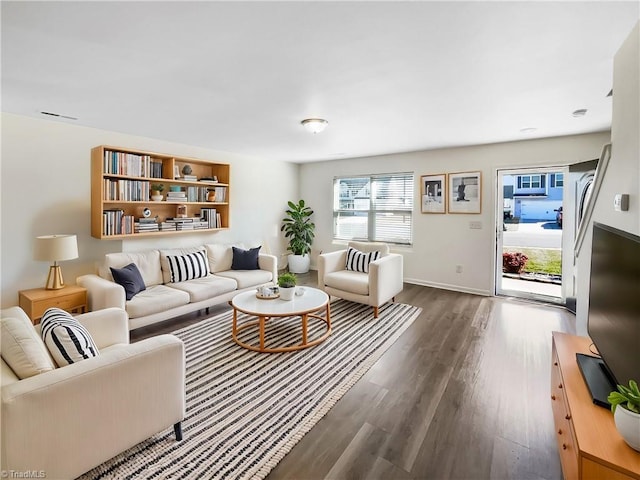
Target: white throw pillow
<point>358,261</point>
<point>67,339</point>
<point>22,348</point>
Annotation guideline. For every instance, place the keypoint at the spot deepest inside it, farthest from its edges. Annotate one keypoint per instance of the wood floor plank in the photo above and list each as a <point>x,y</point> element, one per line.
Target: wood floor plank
<point>463,393</point>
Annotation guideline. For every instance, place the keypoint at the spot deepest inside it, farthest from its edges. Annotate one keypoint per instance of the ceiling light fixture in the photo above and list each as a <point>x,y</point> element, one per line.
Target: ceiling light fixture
<point>580,113</point>
<point>314,125</point>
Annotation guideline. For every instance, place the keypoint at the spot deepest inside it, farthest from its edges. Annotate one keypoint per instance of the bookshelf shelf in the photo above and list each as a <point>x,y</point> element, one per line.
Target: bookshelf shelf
<point>121,180</point>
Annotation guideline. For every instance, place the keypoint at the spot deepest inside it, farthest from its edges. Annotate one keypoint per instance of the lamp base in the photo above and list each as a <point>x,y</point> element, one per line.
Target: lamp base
<point>54,280</point>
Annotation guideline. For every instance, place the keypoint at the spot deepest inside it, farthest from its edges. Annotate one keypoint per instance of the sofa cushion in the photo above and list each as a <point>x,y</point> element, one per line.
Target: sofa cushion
<point>188,266</point>
<point>348,281</point>
<point>67,339</point>
<point>358,261</point>
<point>164,260</point>
<point>220,256</point>
<point>381,247</point>
<point>205,288</point>
<point>245,259</point>
<point>129,277</point>
<point>157,298</point>
<point>147,262</point>
<point>247,278</point>
<point>22,349</point>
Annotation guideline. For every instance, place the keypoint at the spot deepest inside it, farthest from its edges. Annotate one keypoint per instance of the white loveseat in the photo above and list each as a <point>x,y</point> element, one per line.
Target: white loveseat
<point>163,299</point>
<point>67,420</point>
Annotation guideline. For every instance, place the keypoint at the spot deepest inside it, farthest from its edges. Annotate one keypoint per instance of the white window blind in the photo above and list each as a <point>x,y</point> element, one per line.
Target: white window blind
<point>376,208</point>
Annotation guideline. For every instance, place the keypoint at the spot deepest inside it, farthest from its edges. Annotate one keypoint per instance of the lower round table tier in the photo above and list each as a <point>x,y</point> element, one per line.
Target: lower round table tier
<point>305,306</point>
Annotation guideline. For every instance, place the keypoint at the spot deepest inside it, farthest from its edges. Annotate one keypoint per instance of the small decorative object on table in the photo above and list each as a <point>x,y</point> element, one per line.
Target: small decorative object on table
<point>625,405</point>
<point>287,284</point>
<point>267,292</point>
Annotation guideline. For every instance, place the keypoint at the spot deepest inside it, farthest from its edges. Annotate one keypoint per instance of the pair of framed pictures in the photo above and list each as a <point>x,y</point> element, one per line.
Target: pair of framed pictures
<point>451,192</point>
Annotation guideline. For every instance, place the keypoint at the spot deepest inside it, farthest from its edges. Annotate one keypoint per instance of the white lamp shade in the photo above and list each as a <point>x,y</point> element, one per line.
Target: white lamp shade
<point>56,248</point>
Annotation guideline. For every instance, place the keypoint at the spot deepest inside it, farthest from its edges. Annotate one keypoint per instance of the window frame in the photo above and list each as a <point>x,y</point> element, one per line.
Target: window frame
<point>374,209</point>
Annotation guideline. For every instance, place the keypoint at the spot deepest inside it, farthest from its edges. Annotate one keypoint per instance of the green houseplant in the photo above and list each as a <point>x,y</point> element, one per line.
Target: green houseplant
<point>627,417</point>
<point>287,283</point>
<point>156,191</point>
<point>300,230</point>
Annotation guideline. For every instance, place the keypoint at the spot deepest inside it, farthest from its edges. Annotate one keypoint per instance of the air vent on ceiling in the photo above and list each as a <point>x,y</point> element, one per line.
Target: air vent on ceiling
<point>51,114</point>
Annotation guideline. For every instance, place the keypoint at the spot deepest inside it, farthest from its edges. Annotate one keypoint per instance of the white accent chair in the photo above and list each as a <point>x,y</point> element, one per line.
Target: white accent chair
<point>381,284</point>
<point>70,419</point>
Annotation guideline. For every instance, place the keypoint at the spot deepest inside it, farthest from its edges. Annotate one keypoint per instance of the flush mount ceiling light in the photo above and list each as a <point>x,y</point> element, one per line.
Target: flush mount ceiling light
<point>314,125</point>
<point>580,113</point>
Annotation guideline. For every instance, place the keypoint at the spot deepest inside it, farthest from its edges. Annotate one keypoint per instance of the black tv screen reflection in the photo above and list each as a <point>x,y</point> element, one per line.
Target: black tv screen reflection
<point>614,301</point>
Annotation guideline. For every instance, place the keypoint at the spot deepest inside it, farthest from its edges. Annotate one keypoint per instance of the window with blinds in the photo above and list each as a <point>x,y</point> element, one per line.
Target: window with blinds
<point>375,208</point>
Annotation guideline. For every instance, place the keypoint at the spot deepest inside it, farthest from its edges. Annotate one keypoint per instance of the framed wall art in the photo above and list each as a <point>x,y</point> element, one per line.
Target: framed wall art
<point>432,193</point>
<point>465,192</point>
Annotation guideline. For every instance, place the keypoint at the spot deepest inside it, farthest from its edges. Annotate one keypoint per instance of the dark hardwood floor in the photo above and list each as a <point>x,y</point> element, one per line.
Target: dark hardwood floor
<point>463,394</point>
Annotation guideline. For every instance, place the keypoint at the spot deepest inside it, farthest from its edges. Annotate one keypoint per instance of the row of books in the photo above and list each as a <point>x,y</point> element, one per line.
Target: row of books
<point>221,194</point>
<point>122,163</point>
<point>212,217</point>
<point>126,190</point>
<point>115,222</point>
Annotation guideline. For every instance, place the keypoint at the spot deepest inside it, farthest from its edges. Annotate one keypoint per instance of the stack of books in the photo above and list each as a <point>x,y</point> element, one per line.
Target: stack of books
<point>183,224</point>
<point>146,225</point>
<point>175,196</point>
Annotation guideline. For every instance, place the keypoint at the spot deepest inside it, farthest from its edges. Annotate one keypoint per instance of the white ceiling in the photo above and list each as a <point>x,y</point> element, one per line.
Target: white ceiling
<point>388,76</point>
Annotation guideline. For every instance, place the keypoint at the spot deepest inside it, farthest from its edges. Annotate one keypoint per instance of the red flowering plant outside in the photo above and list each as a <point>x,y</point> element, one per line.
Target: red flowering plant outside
<point>513,262</point>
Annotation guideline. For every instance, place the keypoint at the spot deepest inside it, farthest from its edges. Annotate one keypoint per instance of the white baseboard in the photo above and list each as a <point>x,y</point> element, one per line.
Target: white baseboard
<point>445,286</point>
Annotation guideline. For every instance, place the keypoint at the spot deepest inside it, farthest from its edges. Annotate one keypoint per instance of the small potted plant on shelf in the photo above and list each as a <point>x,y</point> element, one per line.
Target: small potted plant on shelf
<point>625,405</point>
<point>299,229</point>
<point>514,262</point>
<point>156,192</point>
<point>287,285</point>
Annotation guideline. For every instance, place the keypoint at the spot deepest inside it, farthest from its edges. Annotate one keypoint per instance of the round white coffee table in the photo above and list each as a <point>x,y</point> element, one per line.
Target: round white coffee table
<point>304,306</point>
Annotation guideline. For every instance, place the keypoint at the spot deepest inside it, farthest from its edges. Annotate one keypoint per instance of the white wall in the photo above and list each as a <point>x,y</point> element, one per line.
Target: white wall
<point>46,189</point>
<point>443,241</point>
<point>623,172</point>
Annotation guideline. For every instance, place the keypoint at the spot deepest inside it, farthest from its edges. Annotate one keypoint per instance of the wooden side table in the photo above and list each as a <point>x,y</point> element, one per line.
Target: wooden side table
<point>36,301</point>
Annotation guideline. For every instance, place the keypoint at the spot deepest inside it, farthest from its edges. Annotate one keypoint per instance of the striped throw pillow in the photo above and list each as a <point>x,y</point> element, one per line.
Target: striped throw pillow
<point>358,261</point>
<point>66,339</point>
<point>187,267</point>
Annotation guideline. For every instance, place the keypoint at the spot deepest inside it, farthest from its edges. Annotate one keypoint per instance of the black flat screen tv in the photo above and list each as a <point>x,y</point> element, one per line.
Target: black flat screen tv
<point>614,310</point>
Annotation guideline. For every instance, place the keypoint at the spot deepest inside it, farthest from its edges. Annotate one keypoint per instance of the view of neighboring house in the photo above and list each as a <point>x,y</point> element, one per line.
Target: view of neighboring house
<point>534,196</point>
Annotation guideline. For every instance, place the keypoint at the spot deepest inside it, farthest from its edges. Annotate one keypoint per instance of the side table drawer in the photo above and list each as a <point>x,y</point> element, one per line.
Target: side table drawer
<point>36,302</point>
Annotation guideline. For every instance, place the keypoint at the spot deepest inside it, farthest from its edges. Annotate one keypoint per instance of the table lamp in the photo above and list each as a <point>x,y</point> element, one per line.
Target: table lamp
<point>55,248</point>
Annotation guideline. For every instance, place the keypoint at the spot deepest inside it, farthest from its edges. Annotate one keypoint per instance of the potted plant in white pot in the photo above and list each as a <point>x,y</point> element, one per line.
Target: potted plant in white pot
<point>625,405</point>
<point>287,285</point>
<point>300,231</point>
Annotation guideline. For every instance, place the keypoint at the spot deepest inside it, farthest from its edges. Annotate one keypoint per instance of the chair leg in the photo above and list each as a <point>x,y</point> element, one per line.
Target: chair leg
<point>177,428</point>
<point>375,312</point>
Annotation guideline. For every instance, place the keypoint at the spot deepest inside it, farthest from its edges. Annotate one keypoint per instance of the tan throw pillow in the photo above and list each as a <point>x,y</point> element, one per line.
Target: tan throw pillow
<point>22,348</point>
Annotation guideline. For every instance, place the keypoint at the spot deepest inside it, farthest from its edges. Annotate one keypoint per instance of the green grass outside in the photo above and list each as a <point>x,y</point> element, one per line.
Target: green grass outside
<point>541,260</point>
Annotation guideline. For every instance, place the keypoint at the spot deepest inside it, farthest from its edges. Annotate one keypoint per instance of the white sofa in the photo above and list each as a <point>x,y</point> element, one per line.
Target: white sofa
<point>163,299</point>
<point>380,284</point>
<point>65,421</point>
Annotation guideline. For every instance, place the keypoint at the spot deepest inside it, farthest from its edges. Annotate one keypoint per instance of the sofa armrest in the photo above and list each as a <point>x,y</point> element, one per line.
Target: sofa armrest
<point>269,263</point>
<point>385,278</point>
<point>107,327</point>
<point>102,293</point>
<point>330,262</point>
<point>92,410</point>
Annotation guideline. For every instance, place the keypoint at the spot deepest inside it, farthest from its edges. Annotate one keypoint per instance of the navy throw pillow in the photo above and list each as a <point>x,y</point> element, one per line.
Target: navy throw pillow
<point>245,259</point>
<point>130,278</point>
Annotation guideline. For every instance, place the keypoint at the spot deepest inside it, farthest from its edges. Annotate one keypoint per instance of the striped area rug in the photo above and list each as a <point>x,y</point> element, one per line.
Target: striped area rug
<point>246,410</point>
